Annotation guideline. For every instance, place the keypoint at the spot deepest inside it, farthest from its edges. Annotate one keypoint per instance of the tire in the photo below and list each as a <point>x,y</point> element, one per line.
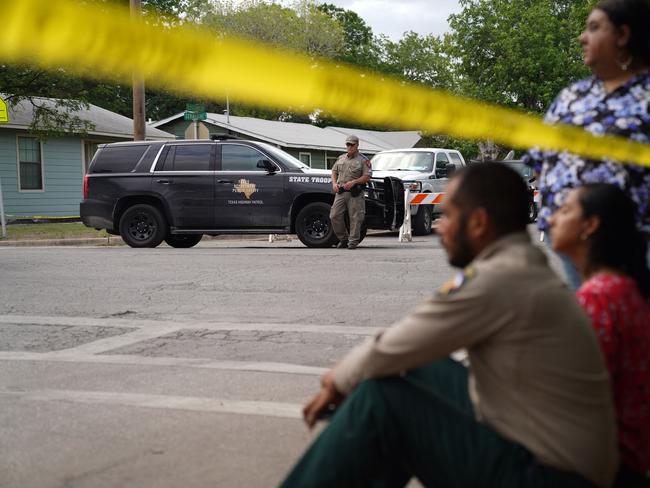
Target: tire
<point>143,225</point>
<point>313,225</point>
<point>421,225</point>
<point>183,241</point>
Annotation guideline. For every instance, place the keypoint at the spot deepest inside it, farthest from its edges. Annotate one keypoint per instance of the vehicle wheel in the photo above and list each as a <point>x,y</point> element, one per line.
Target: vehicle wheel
<point>143,225</point>
<point>313,226</point>
<point>421,225</point>
<point>532,212</point>
<point>183,241</point>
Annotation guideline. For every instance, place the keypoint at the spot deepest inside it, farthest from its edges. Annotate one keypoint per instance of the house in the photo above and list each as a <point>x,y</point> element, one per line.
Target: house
<point>315,146</point>
<point>45,178</point>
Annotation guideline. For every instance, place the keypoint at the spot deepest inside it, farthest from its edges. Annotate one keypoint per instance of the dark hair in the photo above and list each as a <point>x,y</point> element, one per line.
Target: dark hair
<point>634,14</point>
<point>617,243</point>
<point>501,191</point>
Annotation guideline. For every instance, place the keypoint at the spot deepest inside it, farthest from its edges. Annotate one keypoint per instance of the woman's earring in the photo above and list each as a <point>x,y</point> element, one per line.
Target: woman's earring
<point>625,65</point>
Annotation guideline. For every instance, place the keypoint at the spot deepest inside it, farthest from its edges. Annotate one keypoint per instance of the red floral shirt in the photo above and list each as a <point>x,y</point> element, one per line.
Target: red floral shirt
<point>621,319</point>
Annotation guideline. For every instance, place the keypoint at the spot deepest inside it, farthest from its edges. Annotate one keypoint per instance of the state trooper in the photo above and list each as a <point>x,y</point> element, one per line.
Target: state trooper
<point>350,173</point>
<point>532,409</point>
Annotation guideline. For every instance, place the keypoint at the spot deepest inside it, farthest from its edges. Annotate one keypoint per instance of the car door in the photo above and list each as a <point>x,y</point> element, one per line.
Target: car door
<point>440,183</point>
<point>184,177</point>
<point>247,196</point>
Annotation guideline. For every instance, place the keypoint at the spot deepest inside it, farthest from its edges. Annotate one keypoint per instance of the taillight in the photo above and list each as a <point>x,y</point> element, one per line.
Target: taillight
<point>85,186</point>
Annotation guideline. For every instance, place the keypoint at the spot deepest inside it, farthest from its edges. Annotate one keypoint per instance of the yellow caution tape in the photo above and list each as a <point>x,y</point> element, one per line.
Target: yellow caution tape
<point>102,41</point>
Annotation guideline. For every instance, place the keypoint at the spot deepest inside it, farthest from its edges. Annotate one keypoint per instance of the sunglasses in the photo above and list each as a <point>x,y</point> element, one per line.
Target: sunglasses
<point>350,143</point>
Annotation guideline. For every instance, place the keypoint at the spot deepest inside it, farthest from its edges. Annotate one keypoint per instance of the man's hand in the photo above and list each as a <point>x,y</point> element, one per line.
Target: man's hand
<point>349,185</point>
<point>335,187</point>
<point>327,395</point>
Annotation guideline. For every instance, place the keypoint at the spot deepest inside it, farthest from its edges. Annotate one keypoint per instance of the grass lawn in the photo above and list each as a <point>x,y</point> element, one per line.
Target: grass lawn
<point>63,230</point>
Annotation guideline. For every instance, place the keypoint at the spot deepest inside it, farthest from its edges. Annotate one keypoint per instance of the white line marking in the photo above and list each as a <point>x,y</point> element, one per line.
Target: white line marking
<point>195,325</point>
<point>168,402</point>
<point>124,359</point>
<point>114,342</point>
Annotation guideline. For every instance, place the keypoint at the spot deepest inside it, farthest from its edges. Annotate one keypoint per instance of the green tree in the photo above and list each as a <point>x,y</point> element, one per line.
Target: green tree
<point>518,53</point>
<point>422,59</point>
<point>359,45</point>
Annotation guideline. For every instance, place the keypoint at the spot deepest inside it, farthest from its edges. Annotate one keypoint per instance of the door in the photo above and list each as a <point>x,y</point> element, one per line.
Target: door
<point>184,176</point>
<point>248,196</point>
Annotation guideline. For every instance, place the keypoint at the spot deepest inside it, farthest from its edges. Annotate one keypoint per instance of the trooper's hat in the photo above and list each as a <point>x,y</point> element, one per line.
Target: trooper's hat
<point>352,140</point>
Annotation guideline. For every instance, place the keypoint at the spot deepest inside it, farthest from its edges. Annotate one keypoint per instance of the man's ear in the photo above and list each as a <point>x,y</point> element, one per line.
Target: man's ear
<point>478,224</point>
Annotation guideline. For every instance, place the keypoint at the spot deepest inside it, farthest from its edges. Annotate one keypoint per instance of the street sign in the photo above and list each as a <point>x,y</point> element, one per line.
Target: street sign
<point>195,111</point>
<point>4,113</point>
<point>189,115</point>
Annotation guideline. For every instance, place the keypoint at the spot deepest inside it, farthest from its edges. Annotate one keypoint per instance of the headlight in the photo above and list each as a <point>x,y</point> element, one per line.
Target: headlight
<point>413,185</point>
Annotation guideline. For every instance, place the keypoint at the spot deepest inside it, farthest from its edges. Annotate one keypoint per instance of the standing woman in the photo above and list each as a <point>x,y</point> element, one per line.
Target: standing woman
<point>614,101</point>
<point>596,228</point>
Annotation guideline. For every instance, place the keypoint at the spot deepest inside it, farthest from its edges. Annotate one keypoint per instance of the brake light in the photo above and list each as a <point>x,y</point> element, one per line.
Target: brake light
<point>85,186</point>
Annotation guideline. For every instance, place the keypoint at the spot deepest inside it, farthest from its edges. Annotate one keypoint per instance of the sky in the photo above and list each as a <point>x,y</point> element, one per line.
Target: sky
<point>394,17</point>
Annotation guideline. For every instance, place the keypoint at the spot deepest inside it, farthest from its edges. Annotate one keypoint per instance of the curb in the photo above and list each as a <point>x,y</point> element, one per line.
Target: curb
<point>87,241</point>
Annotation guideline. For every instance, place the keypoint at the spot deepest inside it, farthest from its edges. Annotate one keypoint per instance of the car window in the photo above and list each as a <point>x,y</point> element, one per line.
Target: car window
<point>235,157</point>
<point>191,157</point>
<point>455,158</point>
<point>287,159</point>
<point>118,159</point>
<point>442,158</point>
<point>403,161</point>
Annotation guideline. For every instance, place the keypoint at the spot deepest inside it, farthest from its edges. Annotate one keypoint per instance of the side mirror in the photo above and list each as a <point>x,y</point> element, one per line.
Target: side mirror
<point>451,168</point>
<point>267,165</point>
<point>441,170</point>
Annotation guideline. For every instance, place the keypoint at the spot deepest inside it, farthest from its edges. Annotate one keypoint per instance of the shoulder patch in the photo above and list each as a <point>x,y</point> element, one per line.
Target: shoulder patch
<point>457,282</point>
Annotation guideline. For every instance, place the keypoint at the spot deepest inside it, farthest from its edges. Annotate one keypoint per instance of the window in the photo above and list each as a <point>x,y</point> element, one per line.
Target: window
<point>331,162</point>
<point>118,159</point>
<point>240,158</point>
<point>455,158</point>
<point>305,158</point>
<point>30,164</point>
<point>442,158</point>
<point>90,148</point>
<point>190,157</point>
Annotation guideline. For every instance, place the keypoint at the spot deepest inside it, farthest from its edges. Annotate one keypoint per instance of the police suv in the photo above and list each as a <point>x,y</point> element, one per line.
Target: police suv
<point>178,191</point>
<point>423,170</point>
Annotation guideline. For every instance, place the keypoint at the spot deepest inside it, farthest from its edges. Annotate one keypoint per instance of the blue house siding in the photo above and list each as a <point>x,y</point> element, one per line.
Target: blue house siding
<point>62,177</point>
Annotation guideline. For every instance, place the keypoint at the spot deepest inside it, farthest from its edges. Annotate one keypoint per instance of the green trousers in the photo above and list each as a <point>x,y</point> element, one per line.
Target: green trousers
<point>356,208</point>
<point>421,424</point>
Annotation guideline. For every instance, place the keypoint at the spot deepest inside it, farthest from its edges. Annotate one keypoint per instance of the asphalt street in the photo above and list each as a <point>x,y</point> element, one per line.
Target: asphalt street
<point>183,367</point>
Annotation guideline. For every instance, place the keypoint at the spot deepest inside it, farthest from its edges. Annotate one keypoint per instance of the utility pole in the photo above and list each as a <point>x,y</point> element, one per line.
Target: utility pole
<point>138,88</point>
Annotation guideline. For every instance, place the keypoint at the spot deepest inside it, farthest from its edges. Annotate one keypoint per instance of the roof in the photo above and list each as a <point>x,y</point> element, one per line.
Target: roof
<point>106,123</point>
<point>295,135</point>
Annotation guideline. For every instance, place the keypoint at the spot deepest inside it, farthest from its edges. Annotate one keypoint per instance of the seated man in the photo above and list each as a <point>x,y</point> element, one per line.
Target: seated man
<point>534,407</point>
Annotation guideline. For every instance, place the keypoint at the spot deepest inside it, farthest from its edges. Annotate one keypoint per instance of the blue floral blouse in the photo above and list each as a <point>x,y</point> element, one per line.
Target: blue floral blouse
<point>624,112</point>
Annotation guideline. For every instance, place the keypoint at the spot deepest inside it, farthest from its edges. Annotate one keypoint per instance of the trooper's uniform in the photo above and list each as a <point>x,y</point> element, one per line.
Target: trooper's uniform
<point>347,169</point>
<point>534,405</point>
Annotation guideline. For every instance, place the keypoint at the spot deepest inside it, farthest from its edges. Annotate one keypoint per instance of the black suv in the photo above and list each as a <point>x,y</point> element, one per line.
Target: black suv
<point>178,191</point>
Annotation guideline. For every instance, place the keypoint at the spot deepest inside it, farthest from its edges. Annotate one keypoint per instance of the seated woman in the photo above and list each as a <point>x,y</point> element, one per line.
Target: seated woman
<point>596,228</point>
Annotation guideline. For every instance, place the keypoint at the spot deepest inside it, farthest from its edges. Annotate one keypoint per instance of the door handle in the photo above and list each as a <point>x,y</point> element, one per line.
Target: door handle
<point>224,181</point>
<point>164,182</point>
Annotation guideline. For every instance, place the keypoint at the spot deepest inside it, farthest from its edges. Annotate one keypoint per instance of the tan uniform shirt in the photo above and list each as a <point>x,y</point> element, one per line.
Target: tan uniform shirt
<point>348,169</point>
<point>537,376</point>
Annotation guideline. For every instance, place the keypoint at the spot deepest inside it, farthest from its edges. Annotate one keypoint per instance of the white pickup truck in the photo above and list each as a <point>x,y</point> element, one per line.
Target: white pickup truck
<point>423,170</point>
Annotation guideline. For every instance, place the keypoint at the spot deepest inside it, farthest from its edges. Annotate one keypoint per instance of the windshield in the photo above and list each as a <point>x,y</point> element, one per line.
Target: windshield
<point>286,158</point>
<point>403,161</point>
